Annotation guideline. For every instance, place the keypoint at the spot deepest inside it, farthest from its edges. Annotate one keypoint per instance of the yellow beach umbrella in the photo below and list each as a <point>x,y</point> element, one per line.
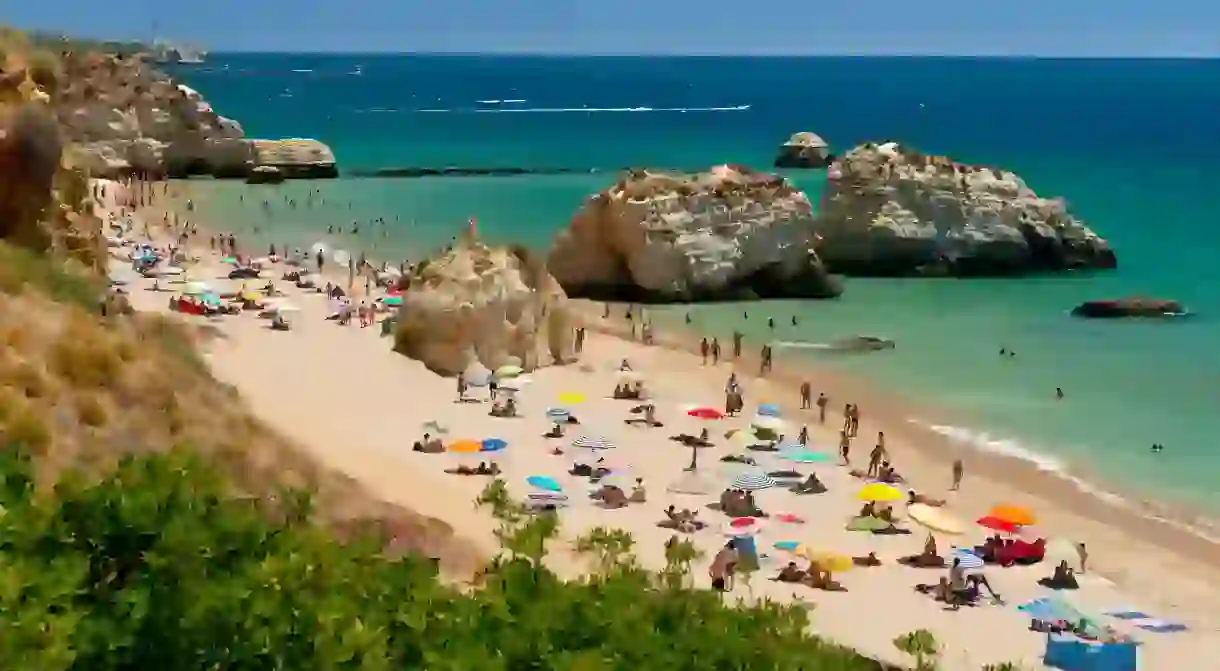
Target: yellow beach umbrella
<point>880,492</point>
<point>465,446</point>
<point>832,562</point>
<point>508,370</point>
<point>571,398</point>
<point>935,519</point>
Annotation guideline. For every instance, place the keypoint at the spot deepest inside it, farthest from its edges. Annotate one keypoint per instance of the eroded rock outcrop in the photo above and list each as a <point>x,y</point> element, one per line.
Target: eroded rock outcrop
<point>804,150</point>
<point>725,234</point>
<point>1129,307</point>
<point>493,305</point>
<point>887,210</point>
<point>44,199</point>
<point>295,158</point>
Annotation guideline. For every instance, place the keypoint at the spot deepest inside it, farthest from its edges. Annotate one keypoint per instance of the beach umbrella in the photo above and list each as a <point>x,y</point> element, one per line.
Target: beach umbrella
<point>705,413</point>
<point>768,423</point>
<point>743,526</point>
<point>967,560</point>
<point>787,546</point>
<point>831,562</point>
<point>691,484</point>
<point>880,493</point>
<point>629,376</point>
<point>935,519</point>
<point>172,271</point>
<point>544,482</point>
<point>493,444</point>
<point>341,257</point>
<point>769,410</point>
<point>804,456</point>
<point>571,398</point>
<point>229,259</point>
<point>392,301</point>
<point>211,300</point>
<point>515,384</point>
<point>465,447</point>
<point>593,443</point>
<point>508,371</point>
<point>1018,515</point>
<point>997,524</point>
<point>558,415</point>
<point>196,289</point>
<point>752,479</point>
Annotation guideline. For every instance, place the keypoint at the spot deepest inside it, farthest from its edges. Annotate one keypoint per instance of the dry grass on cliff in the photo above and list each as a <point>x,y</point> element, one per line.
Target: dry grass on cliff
<point>84,390</point>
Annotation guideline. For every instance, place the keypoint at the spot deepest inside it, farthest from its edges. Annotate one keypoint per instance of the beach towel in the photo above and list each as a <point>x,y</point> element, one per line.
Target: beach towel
<point>1145,621</point>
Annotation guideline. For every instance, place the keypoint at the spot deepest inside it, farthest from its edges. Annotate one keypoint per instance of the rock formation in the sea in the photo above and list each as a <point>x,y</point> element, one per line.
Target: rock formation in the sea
<point>126,116</point>
<point>1129,307</point>
<point>725,234</point>
<point>804,150</point>
<point>887,210</point>
<point>493,306</point>
<point>44,199</point>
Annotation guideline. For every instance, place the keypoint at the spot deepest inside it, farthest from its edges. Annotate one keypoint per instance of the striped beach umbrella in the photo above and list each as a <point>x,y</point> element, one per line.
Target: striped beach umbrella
<point>769,410</point>
<point>558,415</point>
<point>593,443</point>
<point>752,479</point>
<point>967,560</point>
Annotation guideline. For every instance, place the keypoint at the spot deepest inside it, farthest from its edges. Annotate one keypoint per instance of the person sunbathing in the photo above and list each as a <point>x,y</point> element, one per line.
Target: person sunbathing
<point>507,409</point>
<point>739,459</point>
<point>790,573</point>
<point>867,510</point>
<point>484,469</point>
<point>868,560</point>
<point>926,559</point>
<point>811,485</point>
<point>429,445</point>
<point>582,470</point>
<point>649,419</point>
<point>818,578</point>
<point>885,513</point>
<point>278,323</point>
<point>1063,578</point>
<point>638,495</point>
<point>555,432</point>
<point>915,497</point>
<point>611,497</point>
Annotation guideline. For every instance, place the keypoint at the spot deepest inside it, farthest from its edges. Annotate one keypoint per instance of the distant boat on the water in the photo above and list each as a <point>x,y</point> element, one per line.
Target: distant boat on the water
<point>857,343</point>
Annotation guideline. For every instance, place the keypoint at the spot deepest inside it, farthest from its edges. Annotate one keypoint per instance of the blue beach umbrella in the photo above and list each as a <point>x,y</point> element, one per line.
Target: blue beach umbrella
<point>787,546</point>
<point>968,560</point>
<point>769,410</point>
<point>393,301</point>
<point>494,444</point>
<point>544,482</point>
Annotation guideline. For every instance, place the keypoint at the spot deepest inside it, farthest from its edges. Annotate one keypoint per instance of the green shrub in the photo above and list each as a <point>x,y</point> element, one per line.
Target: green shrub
<point>156,567</point>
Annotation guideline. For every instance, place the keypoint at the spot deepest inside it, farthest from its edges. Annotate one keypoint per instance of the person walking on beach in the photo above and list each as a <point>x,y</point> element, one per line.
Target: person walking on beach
<point>855,420</point>
<point>845,447</point>
<point>320,259</point>
<point>737,337</point>
<point>806,394</point>
<point>959,470</point>
<point>874,459</point>
<point>822,403</point>
<point>803,437</point>
<point>847,418</point>
<point>715,351</point>
<point>704,349</point>
<point>764,366</point>
<point>580,339</point>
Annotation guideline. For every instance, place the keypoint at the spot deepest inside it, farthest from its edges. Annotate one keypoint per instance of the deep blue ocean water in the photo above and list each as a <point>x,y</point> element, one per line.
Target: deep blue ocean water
<point>1131,144</point>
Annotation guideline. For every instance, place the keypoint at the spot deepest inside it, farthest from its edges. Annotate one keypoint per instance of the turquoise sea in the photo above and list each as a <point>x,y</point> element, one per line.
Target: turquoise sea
<point>1132,145</point>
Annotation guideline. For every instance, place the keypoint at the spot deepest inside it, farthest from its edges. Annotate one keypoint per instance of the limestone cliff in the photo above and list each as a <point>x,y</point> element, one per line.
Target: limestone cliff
<point>888,210</point>
<point>803,150</point>
<point>724,234</point>
<point>496,306</point>
<point>44,199</point>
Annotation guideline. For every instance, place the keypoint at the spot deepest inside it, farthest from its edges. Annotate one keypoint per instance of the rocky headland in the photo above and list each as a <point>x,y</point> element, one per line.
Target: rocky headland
<point>124,116</point>
<point>890,211</point>
<point>492,306</point>
<point>728,233</point>
<point>804,150</point>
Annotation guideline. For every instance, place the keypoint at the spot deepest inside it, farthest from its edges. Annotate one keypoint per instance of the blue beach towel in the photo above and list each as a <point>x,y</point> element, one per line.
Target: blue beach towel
<point>1162,626</point>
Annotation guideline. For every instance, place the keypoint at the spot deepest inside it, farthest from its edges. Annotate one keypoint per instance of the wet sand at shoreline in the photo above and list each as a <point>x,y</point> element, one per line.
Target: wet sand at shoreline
<point>290,379</point>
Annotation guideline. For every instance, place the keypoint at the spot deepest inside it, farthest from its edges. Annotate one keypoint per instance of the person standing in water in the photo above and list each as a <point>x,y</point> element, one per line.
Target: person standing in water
<point>959,470</point>
<point>715,351</point>
<point>737,338</point>
<point>806,395</point>
<point>704,349</point>
<point>823,401</point>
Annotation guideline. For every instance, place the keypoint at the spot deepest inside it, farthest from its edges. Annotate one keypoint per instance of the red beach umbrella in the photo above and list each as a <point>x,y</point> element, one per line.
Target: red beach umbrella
<point>705,413</point>
<point>997,524</point>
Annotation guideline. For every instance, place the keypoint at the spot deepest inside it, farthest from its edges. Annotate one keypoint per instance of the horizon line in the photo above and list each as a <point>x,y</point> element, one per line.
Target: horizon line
<point>565,54</point>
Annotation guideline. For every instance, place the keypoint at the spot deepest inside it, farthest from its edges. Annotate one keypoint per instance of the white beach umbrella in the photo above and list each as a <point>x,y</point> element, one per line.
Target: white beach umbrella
<point>172,270</point>
<point>752,479</point>
<point>341,257</point>
<point>593,443</point>
<point>196,289</point>
<point>769,423</point>
<point>319,248</point>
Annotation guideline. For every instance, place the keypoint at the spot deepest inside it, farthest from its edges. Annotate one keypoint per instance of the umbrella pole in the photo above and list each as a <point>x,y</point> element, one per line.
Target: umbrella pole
<point>694,459</point>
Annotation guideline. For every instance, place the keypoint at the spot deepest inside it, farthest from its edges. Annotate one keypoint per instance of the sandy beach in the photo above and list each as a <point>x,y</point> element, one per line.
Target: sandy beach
<point>344,396</point>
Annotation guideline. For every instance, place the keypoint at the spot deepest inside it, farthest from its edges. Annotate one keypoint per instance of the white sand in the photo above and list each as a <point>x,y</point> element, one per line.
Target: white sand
<point>345,397</point>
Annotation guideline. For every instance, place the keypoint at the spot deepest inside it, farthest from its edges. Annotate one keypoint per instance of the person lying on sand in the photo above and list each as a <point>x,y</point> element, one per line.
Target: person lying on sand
<point>611,497</point>
<point>866,561</point>
<point>649,416</point>
<point>889,475</point>
<point>555,432</point>
<point>1063,578</point>
<point>867,510</point>
<point>915,497</point>
<point>628,392</point>
<point>926,559</point>
<point>481,469</point>
<point>790,573</point>
<point>818,578</point>
<point>278,323</point>
<point>739,459</point>
<point>740,504</point>
<point>811,485</point>
<point>429,445</point>
<point>506,409</point>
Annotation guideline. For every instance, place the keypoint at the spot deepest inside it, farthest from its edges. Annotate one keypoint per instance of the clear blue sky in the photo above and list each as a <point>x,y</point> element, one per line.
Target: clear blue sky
<point>960,27</point>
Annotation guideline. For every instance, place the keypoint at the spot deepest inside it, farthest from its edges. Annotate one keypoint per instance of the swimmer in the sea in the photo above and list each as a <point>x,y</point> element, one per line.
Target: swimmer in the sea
<point>1059,393</point>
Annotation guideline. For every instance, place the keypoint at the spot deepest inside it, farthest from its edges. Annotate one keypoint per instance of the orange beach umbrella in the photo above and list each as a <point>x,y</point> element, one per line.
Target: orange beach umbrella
<point>465,446</point>
<point>1018,515</point>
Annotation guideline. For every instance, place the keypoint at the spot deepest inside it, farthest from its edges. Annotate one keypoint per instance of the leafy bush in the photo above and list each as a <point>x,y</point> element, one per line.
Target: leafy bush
<point>155,567</point>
